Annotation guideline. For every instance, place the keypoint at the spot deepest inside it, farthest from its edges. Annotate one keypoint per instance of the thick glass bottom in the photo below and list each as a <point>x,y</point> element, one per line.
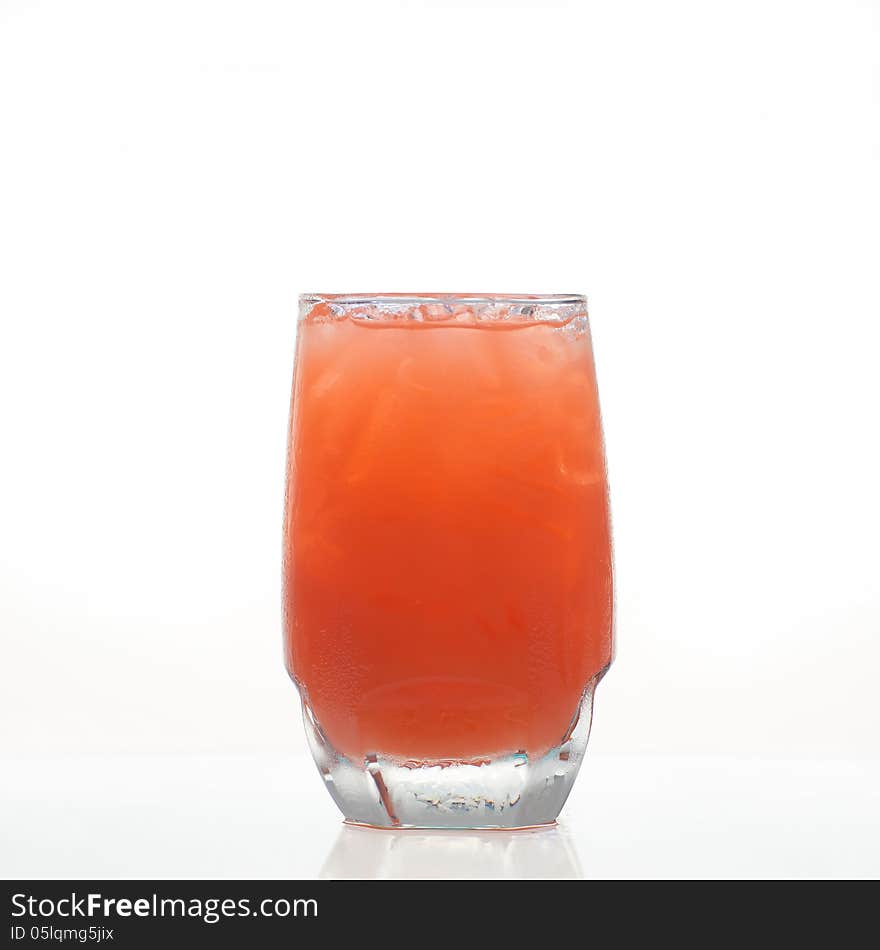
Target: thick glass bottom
<point>492,792</point>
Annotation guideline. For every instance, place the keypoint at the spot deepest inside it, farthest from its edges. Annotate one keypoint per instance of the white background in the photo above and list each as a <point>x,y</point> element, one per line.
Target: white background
<point>173,174</point>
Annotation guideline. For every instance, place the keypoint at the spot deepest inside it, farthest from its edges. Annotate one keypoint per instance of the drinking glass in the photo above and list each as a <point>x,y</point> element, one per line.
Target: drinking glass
<point>448,606</point>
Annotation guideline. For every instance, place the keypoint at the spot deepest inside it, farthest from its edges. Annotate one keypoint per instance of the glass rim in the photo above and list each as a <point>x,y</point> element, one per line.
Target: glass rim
<point>447,299</point>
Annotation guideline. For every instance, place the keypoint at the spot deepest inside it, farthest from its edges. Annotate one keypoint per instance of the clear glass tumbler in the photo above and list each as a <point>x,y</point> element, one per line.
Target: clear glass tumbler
<point>448,606</point>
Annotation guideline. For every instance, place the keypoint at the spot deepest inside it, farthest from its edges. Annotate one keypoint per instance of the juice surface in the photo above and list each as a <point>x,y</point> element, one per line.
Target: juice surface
<point>448,580</point>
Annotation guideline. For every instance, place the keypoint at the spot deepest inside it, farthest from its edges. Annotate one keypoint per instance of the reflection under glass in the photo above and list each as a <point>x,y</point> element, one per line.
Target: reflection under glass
<point>372,854</point>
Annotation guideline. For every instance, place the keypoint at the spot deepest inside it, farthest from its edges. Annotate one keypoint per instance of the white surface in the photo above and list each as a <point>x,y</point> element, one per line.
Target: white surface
<point>217,817</point>
<point>173,173</point>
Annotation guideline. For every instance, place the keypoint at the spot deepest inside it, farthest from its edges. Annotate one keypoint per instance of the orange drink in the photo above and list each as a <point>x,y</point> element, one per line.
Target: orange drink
<point>447,552</point>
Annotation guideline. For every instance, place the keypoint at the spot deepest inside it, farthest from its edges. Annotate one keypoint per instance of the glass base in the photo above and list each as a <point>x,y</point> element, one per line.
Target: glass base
<point>507,791</point>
